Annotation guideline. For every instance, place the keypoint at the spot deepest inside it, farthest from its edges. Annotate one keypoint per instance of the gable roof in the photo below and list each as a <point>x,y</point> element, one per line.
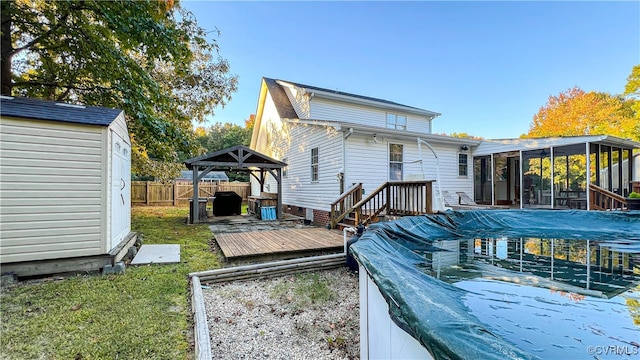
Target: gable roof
<point>283,104</point>
<point>38,109</point>
<point>280,99</point>
<point>236,157</point>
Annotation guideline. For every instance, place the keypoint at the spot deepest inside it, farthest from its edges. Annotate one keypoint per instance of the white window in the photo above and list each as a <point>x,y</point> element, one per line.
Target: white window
<point>395,162</point>
<point>463,164</point>
<point>398,122</point>
<point>314,164</point>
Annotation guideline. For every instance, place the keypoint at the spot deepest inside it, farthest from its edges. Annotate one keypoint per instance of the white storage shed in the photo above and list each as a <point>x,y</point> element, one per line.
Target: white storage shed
<point>65,183</point>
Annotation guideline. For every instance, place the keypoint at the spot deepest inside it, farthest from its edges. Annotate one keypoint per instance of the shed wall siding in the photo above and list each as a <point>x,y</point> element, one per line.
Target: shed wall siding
<point>51,193</point>
<point>325,109</point>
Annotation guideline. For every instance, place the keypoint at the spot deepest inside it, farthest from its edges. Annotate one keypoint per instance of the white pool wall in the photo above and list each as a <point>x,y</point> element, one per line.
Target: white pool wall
<point>380,337</point>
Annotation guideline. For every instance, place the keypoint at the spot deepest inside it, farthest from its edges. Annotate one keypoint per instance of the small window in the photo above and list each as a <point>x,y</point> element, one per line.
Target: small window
<point>398,122</point>
<point>314,164</point>
<point>285,169</point>
<point>395,162</point>
<point>462,164</point>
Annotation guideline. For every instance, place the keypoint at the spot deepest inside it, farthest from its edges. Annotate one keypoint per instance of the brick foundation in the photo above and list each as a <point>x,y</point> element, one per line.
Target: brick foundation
<point>320,217</point>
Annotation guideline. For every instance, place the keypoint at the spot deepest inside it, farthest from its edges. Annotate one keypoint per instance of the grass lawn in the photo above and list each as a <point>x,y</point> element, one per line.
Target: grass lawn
<point>142,314</point>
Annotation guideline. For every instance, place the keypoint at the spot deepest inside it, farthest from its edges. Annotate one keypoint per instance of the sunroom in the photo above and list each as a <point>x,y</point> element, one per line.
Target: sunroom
<point>583,172</point>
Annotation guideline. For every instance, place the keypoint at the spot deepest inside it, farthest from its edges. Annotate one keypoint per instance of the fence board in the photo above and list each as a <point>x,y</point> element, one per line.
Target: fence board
<point>179,194</point>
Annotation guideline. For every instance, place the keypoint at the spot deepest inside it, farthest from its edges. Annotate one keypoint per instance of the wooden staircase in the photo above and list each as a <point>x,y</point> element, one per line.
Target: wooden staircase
<point>393,198</point>
<point>602,199</point>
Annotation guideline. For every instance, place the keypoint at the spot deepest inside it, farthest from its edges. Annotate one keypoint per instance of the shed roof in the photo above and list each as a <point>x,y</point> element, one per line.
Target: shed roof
<point>38,109</point>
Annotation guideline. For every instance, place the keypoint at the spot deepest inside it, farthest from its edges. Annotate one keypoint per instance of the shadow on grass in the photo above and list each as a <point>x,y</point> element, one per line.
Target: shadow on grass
<point>142,314</point>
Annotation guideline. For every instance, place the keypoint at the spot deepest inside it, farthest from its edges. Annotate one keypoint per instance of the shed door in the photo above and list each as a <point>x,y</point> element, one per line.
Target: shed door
<point>120,190</point>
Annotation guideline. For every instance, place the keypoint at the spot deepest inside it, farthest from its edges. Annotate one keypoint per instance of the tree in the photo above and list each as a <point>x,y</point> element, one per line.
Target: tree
<point>149,58</point>
<point>221,136</point>
<point>464,135</point>
<point>576,112</point>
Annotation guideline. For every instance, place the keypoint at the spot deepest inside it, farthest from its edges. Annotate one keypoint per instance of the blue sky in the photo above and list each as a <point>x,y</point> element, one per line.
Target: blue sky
<point>487,67</point>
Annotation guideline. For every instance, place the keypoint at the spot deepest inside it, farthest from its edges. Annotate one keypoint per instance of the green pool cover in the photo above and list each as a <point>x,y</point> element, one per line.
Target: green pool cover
<point>433,311</point>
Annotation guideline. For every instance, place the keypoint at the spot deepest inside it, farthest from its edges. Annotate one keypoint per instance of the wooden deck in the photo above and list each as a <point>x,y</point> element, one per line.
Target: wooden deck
<point>279,244</point>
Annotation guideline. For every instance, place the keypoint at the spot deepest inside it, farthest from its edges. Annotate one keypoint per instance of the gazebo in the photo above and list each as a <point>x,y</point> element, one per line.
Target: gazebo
<point>236,158</point>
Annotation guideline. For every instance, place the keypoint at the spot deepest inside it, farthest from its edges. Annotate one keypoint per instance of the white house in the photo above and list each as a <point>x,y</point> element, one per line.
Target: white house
<point>331,140</point>
<point>65,201</point>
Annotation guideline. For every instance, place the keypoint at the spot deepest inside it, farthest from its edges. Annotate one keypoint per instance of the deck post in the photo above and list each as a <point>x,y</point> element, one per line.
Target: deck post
<point>279,201</point>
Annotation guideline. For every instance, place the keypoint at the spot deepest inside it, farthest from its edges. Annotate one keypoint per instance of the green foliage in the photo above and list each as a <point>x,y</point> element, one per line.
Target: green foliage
<point>464,135</point>
<point>149,58</point>
<point>634,195</point>
<point>142,314</point>
<point>221,136</point>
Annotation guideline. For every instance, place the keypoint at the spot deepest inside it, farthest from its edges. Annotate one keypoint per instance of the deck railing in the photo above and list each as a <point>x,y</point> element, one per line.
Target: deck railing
<point>602,199</point>
<point>343,206</point>
<point>392,198</point>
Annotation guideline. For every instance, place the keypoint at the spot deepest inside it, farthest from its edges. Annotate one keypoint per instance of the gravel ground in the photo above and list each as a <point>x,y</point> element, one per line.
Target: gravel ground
<point>306,316</point>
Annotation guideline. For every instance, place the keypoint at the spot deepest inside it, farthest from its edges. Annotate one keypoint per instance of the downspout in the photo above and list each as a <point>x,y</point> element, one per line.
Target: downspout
<point>439,197</point>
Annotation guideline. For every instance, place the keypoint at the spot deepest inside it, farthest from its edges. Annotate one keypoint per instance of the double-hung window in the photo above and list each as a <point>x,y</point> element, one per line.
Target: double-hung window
<point>463,164</point>
<point>395,121</point>
<point>395,162</point>
<point>314,164</point>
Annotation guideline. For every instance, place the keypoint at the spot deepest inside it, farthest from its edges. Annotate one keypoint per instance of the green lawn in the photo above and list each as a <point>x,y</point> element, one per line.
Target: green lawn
<point>142,314</point>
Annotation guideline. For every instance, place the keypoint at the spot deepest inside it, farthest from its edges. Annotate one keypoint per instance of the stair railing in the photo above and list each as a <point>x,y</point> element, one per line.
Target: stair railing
<point>602,199</point>
<point>391,198</point>
<point>343,206</point>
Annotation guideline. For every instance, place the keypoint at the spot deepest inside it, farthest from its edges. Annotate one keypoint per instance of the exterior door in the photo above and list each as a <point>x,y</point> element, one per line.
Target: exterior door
<point>120,191</point>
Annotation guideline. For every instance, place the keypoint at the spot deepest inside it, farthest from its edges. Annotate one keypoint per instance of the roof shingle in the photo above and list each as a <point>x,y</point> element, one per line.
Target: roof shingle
<point>49,110</point>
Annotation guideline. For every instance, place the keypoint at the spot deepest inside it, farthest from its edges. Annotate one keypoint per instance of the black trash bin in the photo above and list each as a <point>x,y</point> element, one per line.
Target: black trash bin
<point>227,203</point>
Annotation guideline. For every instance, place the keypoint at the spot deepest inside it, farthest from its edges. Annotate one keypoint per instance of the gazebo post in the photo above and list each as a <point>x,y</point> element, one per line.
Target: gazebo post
<point>195,206</point>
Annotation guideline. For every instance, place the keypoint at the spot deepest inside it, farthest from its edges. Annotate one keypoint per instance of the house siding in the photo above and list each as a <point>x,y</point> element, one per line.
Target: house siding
<point>52,189</point>
<point>368,163</point>
<point>272,131</point>
<point>325,109</point>
<point>298,188</point>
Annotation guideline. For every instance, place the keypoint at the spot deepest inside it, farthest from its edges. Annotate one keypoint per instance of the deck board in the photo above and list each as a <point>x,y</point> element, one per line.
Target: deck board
<point>254,243</point>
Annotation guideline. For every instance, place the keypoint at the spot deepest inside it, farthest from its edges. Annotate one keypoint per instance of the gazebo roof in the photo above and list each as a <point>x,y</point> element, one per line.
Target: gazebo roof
<point>236,157</point>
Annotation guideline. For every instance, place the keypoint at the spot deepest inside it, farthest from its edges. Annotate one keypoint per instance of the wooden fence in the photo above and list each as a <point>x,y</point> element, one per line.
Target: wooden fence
<point>179,194</point>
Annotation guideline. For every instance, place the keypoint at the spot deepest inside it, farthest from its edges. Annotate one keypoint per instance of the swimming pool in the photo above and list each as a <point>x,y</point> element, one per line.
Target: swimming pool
<point>503,284</point>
